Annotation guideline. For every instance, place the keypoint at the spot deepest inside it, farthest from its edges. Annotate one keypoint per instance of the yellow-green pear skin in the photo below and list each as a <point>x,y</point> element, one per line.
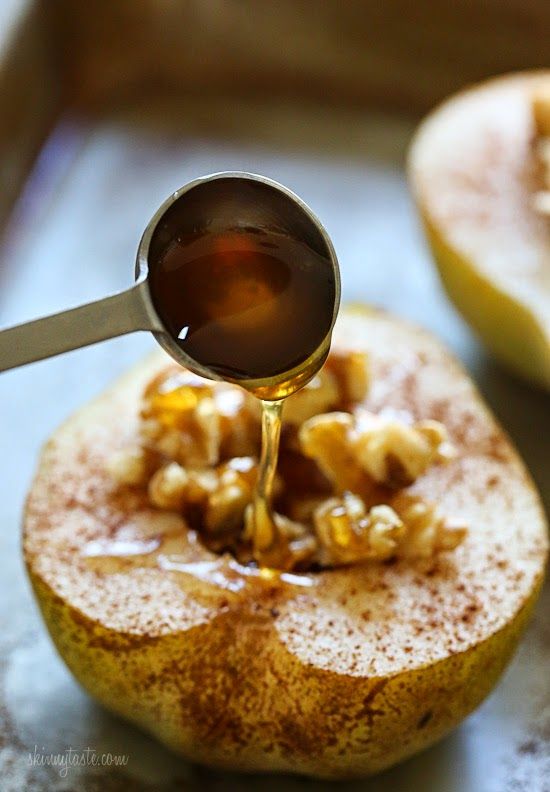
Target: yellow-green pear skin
<point>334,674</point>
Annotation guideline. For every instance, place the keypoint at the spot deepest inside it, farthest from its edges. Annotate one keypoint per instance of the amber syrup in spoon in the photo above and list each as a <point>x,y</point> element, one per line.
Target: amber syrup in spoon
<point>255,307</point>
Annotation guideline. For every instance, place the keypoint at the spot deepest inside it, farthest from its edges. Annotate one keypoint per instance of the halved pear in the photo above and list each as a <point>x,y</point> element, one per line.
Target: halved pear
<point>473,174</point>
<point>335,674</point>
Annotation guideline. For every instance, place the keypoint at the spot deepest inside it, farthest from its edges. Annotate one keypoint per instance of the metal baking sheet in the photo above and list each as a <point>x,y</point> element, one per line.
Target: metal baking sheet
<point>73,238</point>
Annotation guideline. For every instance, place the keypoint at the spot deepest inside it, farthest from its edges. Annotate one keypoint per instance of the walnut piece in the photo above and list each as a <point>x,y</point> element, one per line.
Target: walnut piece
<point>409,528</point>
<point>343,380</point>
<point>389,451</point>
<point>350,368</point>
<point>222,493</point>
<point>348,534</point>
<point>292,544</point>
<point>426,531</point>
<point>200,444</point>
<point>195,422</point>
<point>226,506</point>
<point>198,423</point>
<point>319,395</point>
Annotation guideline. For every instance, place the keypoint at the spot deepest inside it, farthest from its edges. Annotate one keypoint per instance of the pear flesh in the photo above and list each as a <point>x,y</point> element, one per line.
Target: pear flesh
<point>334,674</point>
<point>475,175</point>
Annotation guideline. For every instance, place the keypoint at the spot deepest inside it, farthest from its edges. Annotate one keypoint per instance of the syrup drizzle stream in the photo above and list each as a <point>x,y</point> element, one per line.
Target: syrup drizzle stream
<point>265,532</point>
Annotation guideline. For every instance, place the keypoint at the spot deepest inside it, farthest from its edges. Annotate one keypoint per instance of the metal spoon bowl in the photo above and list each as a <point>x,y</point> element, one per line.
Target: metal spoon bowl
<point>218,202</point>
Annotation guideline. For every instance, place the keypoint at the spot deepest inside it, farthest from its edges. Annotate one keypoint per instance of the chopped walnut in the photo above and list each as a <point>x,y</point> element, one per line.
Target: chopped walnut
<point>427,531</point>
<point>222,492</point>
<point>396,453</point>
<point>409,528</point>
<point>226,506</point>
<point>390,451</point>
<point>343,380</point>
<point>301,508</point>
<point>173,486</point>
<point>200,444</point>
<point>541,118</point>
<point>350,368</point>
<point>348,534</point>
<point>324,438</point>
<point>291,543</point>
<point>197,423</point>
<point>319,395</point>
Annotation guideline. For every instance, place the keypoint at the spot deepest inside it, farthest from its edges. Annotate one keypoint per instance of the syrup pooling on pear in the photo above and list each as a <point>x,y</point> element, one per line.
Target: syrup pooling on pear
<point>247,304</point>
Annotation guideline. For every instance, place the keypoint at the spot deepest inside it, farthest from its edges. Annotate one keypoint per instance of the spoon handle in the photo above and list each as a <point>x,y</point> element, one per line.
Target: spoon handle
<point>112,316</point>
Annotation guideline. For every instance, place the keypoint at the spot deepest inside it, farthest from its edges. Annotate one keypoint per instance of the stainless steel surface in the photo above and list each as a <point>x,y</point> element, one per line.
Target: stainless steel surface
<point>224,199</point>
<point>348,167</point>
<point>87,324</point>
